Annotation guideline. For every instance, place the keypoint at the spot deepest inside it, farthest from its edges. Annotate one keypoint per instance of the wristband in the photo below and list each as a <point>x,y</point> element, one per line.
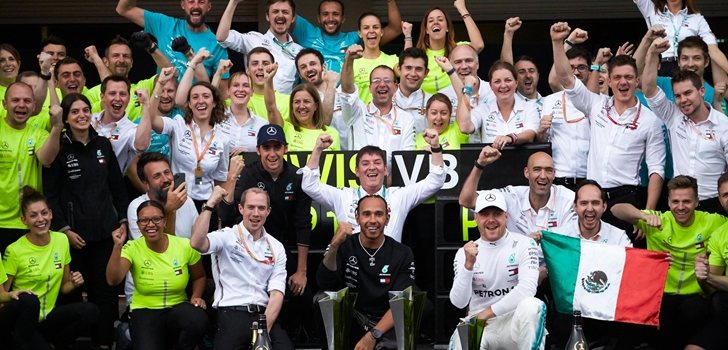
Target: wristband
<point>191,65</point>
<point>477,165</point>
<point>408,38</point>
<point>596,68</point>
<point>436,150</point>
<point>451,71</point>
<point>152,48</point>
<point>568,42</point>
<point>466,15</point>
<point>513,138</point>
<point>45,76</point>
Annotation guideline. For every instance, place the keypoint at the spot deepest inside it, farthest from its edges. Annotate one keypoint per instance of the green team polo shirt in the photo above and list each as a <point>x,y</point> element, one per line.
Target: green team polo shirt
<point>257,105</point>
<point>363,68</point>
<point>436,79</point>
<point>134,108</point>
<point>19,166</point>
<point>3,274</point>
<point>450,139</point>
<point>718,248</point>
<point>39,268</point>
<point>683,243</point>
<point>160,279</point>
<point>304,140</point>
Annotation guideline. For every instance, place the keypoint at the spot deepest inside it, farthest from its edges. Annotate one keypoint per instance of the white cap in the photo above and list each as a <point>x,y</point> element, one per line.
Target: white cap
<point>490,198</point>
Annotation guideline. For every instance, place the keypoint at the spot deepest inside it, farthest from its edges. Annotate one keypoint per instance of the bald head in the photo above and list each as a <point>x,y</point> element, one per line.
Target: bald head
<point>540,173</point>
<point>464,59</point>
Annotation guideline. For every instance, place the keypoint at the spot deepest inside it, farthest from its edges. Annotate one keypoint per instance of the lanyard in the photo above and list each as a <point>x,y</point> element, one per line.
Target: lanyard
<point>631,125</point>
<point>676,37</point>
<point>384,192</point>
<point>199,155</point>
<point>284,47</point>
<point>270,260</point>
<point>385,120</point>
<point>563,111</point>
<point>420,110</point>
<point>708,135</point>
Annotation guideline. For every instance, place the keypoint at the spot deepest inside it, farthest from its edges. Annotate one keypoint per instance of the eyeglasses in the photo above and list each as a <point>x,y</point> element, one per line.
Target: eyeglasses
<point>380,80</point>
<point>154,219</point>
<point>580,68</point>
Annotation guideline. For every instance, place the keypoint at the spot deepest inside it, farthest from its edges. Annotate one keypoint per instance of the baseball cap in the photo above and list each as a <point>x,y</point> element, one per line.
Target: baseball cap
<point>490,198</point>
<point>271,132</point>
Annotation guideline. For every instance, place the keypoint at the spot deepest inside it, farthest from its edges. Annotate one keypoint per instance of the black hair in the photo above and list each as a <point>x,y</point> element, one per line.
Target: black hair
<point>29,196</point>
<point>413,52</point>
<point>146,158</point>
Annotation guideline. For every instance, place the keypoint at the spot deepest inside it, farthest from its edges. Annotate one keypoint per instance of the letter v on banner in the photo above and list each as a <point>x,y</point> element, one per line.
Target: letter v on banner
<point>409,178</point>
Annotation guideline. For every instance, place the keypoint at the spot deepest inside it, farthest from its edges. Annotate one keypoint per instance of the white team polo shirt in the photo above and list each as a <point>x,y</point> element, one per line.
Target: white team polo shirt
<point>538,101</point>
<point>245,135</point>
<point>214,163</point>
<point>488,119</point>
<point>569,135</point>
<point>677,27</point>
<point>698,150</point>
<point>524,219</point>
<point>608,234</point>
<point>240,279</point>
<point>394,131</point>
<point>284,54</point>
<point>617,145</point>
<point>485,95</point>
<point>415,104</point>
<point>121,134</point>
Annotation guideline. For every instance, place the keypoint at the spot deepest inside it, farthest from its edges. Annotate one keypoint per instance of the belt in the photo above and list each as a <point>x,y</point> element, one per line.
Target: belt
<point>669,59</point>
<point>568,181</point>
<point>619,191</point>
<point>251,309</point>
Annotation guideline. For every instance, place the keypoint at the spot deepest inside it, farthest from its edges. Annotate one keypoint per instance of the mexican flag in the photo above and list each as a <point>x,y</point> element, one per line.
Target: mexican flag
<point>605,282</point>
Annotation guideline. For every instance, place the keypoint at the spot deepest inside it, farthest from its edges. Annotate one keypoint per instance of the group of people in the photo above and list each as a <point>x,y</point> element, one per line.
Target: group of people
<point>146,183</point>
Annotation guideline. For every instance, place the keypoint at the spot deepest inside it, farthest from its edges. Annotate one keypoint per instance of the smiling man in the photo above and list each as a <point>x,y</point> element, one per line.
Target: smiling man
<point>683,232</point>
<point>259,61</point>
<point>496,278</point>
<point>280,15</point>
<point>538,206</point>
<point>698,133</point>
<point>330,40</point>
<point>166,29</point>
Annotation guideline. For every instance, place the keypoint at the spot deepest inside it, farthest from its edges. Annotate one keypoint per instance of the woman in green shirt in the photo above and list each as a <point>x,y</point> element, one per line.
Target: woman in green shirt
<point>438,111</point>
<point>39,262</point>
<point>161,265</point>
<point>307,119</point>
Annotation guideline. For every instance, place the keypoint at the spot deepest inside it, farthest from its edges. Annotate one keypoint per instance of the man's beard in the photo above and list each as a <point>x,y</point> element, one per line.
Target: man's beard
<point>195,25</point>
<point>160,194</point>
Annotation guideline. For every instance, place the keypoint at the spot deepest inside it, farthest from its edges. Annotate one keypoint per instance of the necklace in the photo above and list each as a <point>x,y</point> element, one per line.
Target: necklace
<point>372,259</point>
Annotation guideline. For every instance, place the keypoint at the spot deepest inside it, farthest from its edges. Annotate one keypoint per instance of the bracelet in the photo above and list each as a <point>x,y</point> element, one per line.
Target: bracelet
<point>596,68</point>
<point>189,64</point>
<point>478,166</point>
<point>45,76</point>
<point>451,71</point>
<point>568,42</point>
<point>513,138</point>
<point>436,150</point>
<point>466,15</point>
<point>408,38</point>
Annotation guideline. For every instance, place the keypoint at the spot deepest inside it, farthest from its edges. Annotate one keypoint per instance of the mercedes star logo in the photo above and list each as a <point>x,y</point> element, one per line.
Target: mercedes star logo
<point>271,131</point>
<point>490,197</point>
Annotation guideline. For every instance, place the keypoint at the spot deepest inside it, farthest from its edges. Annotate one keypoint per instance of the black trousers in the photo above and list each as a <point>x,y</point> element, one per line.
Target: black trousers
<point>91,262</point>
<point>180,327</point>
<point>234,331</point>
<point>682,317</point>
<point>61,327</point>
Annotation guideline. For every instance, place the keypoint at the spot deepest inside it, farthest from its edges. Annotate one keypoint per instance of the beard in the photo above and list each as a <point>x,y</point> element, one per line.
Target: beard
<point>160,194</point>
<point>193,24</point>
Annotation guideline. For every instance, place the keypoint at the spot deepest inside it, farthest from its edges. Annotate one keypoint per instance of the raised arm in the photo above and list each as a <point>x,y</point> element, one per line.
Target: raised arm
<point>148,43</point>
<point>632,215</point>
<point>347,71</point>
<point>407,32</point>
<point>223,67</point>
<point>559,31</point>
<point>223,28</point>
<point>144,130</point>
<point>463,112</point>
<point>446,66</point>
<point>331,79</point>
<point>603,56</point>
<point>512,25</point>
<point>652,65</point>
<point>129,10</point>
<point>476,39</point>
<point>394,22</point>
<point>40,90</point>
<point>157,123</point>
<point>469,192</point>
<point>269,95</point>
<point>656,31</point>
<point>185,84</point>
<point>48,152</point>
<point>199,240</point>
<point>577,36</point>
<point>117,267</point>
<point>91,54</point>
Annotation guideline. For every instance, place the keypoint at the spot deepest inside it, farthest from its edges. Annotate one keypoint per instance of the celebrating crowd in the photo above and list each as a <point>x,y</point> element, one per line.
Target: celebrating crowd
<point>144,184</point>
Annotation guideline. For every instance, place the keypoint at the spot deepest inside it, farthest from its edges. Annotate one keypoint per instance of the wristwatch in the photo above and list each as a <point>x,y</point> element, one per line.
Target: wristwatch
<point>377,334</point>
<point>206,207</point>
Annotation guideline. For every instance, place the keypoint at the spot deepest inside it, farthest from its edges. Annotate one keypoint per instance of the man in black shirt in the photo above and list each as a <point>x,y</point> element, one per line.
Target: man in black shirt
<point>370,264</point>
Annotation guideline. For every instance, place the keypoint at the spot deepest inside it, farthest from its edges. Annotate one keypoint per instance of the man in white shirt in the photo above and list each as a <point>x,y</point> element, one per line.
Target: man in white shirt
<point>698,133</point>
<point>539,206</point>
<point>409,96</point>
<point>113,124</point>
<point>528,77</point>
<point>380,123</point>
<point>623,133</point>
<point>464,61</point>
<point>371,170</point>
<point>280,15</point>
<point>249,268</point>
<point>499,283</point>
<point>566,127</point>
